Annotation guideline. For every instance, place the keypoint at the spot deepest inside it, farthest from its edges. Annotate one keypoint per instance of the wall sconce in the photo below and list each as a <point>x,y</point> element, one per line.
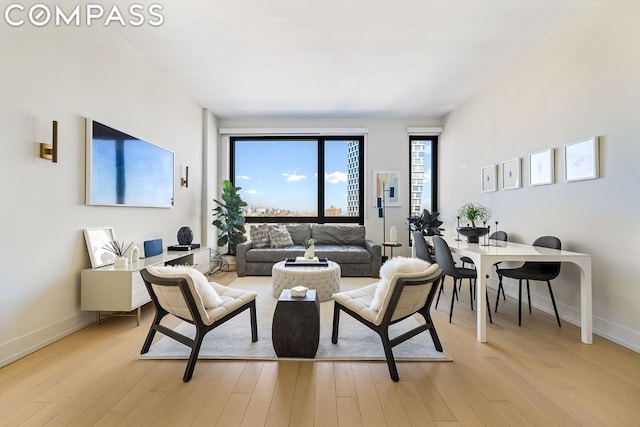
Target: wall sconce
<point>50,151</point>
<point>184,181</point>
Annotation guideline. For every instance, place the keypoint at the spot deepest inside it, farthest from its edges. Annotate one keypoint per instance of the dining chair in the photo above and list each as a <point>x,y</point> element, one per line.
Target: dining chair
<point>425,251</point>
<point>407,286</point>
<point>444,259</point>
<point>541,271</point>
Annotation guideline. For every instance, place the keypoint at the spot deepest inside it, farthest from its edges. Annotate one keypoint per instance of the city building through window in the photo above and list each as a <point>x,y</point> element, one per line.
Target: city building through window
<point>423,174</point>
<point>300,178</point>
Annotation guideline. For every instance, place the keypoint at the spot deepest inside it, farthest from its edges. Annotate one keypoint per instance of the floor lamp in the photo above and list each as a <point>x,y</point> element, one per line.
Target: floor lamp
<point>382,212</point>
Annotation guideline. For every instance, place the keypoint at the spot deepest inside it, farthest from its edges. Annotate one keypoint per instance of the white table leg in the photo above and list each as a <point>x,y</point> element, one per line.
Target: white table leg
<point>481,302</point>
<point>586,302</point>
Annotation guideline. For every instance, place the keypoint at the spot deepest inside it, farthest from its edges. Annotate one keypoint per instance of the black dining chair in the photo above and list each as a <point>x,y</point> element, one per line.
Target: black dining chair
<point>423,251</point>
<point>444,259</point>
<point>541,271</point>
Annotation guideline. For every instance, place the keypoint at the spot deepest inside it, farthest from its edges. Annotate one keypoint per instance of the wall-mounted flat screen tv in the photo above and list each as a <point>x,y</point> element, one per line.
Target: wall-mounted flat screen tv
<point>123,170</point>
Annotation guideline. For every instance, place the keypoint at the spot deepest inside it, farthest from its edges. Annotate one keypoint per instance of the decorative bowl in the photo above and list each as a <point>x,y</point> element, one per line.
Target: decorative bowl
<point>472,234</point>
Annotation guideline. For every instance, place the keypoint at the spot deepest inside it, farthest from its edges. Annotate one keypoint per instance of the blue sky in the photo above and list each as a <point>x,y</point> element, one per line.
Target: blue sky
<point>283,174</point>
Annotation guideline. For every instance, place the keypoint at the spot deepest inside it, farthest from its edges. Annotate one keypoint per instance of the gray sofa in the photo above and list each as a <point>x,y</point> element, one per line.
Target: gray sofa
<point>346,245</point>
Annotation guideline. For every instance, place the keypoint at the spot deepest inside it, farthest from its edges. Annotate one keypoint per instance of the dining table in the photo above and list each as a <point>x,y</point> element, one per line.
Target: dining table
<point>488,252</point>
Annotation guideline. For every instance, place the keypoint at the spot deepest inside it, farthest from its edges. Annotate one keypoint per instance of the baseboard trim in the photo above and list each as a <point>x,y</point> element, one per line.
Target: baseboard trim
<point>611,331</point>
<point>40,338</point>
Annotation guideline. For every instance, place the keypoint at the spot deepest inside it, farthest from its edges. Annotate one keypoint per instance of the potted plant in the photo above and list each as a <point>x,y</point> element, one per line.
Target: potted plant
<point>229,220</point>
<point>426,223</point>
<point>473,213</point>
<point>310,248</point>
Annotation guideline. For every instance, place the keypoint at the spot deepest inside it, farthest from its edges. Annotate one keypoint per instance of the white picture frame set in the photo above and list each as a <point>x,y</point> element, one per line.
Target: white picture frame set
<point>489,178</point>
<point>581,160</point>
<point>541,167</point>
<point>511,175</point>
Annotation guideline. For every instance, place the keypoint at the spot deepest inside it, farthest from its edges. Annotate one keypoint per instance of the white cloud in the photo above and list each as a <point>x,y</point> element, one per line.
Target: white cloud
<point>244,177</point>
<point>336,177</point>
<point>251,191</point>
<point>293,177</point>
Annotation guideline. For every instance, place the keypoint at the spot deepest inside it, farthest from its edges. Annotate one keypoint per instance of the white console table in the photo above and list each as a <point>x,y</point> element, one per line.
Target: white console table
<point>122,290</point>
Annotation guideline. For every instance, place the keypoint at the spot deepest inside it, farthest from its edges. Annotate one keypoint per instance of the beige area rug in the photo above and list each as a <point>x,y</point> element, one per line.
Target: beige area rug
<point>232,340</point>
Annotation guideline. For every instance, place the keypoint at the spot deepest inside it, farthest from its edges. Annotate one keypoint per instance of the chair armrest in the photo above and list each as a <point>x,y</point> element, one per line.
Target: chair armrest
<point>241,257</point>
<point>375,249</point>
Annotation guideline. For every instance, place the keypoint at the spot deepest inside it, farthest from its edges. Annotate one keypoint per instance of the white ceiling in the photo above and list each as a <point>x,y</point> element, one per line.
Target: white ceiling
<point>341,58</point>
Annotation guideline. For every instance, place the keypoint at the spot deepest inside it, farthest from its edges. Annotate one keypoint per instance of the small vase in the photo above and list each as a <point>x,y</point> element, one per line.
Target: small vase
<point>121,261</point>
<point>310,252</point>
<point>393,234</point>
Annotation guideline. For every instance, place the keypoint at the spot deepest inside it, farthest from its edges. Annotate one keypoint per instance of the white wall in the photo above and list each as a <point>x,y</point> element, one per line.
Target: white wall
<point>580,81</point>
<point>66,74</point>
<point>386,149</point>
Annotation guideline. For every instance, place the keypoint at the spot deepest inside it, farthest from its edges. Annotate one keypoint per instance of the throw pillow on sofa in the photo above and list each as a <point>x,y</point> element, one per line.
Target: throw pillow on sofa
<point>279,236</point>
<point>259,235</point>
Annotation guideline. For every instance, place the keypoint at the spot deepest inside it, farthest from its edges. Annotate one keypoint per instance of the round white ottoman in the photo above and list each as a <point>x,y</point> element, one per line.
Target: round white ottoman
<point>325,280</point>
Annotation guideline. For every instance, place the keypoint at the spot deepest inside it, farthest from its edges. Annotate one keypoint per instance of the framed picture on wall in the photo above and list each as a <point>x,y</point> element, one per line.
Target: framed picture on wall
<point>489,180</point>
<point>386,180</point>
<point>511,174</point>
<point>581,160</point>
<point>541,170</point>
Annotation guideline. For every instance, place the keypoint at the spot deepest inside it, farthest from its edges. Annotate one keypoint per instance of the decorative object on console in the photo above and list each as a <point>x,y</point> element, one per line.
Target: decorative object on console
<point>50,151</point>
<point>152,247</point>
<point>473,212</point>
<point>185,236</point>
<point>134,255</point>
<point>228,217</point>
<point>119,250</point>
<point>183,247</point>
<point>96,239</point>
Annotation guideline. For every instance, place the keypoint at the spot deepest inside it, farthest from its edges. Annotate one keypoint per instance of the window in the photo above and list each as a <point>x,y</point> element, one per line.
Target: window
<point>423,173</point>
<point>302,178</point>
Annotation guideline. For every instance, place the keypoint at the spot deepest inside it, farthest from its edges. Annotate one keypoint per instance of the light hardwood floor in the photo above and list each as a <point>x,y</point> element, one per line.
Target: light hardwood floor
<point>538,375</point>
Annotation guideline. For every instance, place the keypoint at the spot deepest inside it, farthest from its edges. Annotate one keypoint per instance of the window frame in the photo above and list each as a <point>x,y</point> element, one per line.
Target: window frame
<point>434,169</point>
<point>321,218</point>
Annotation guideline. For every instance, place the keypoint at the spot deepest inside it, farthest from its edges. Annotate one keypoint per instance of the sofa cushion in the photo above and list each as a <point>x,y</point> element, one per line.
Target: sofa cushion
<point>259,235</point>
<point>273,255</point>
<point>279,236</point>
<point>299,233</point>
<point>331,234</point>
<point>343,254</point>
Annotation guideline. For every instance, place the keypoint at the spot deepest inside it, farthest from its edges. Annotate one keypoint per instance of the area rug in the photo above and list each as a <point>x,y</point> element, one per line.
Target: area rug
<point>232,340</point>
